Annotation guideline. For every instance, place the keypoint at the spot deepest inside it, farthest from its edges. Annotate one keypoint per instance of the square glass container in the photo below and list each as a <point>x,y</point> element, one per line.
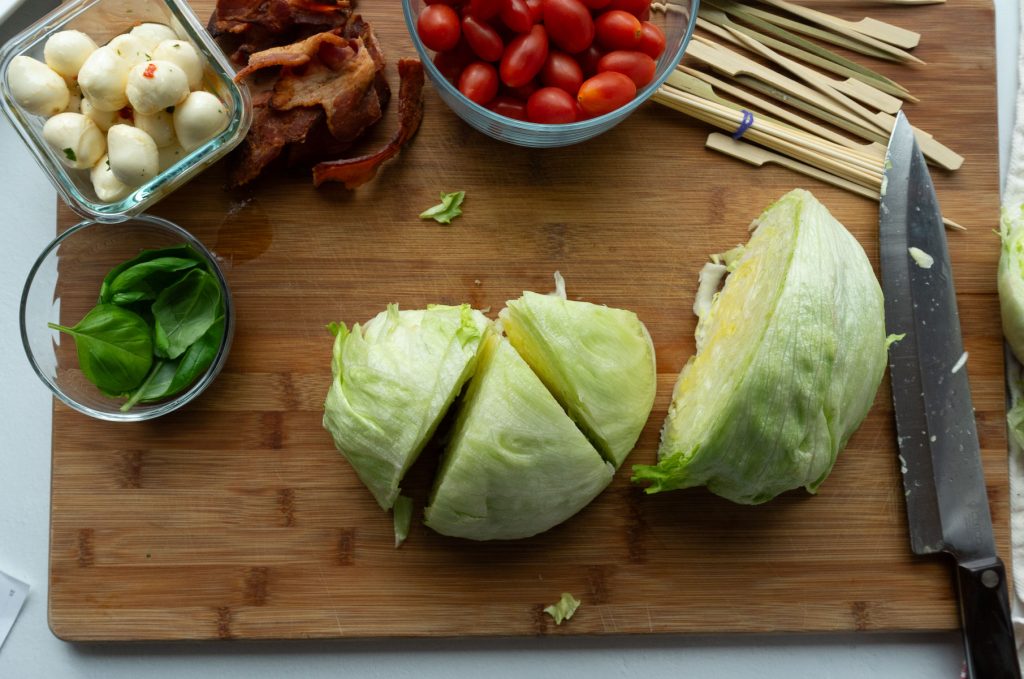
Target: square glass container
<point>102,20</point>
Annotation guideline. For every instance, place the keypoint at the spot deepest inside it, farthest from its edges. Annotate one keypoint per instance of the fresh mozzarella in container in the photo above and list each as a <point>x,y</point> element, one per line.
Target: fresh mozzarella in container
<point>103,119</point>
<point>185,56</point>
<point>169,155</point>
<point>150,35</point>
<point>199,118</point>
<point>108,188</point>
<point>155,85</point>
<point>66,51</point>
<point>159,126</point>
<point>76,139</point>
<point>36,87</point>
<point>128,47</point>
<point>103,77</point>
<point>133,155</point>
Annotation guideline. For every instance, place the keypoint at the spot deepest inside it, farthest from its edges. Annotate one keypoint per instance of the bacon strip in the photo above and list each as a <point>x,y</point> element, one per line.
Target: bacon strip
<point>355,172</point>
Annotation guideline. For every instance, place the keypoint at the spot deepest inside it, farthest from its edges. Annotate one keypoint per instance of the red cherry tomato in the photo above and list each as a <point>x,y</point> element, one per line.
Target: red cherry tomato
<point>524,57</point>
<point>588,60</point>
<point>516,15</point>
<point>596,4</point>
<point>482,39</point>
<point>562,71</point>
<point>484,9</point>
<point>569,24</point>
<point>605,92</point>
<point>536,10</point>
<point>479,82</point>
<point>618,30</point>
<point>551,106</point>
<point>438,27</point>
<point>450,3</point>
<point>634,7</point>
<point>652,40</point>
<point>510,107</point>
<point>644,15</point>
<point>637,66</point>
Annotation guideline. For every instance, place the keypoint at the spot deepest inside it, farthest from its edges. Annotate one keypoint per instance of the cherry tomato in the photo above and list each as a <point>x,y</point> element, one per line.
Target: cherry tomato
<point>524,57</point>
<point>484,9</point>
<point>618,30</point>
<point>596,4</point>
<point>652,40</point>
<point>637,66</point>
<point>438,27</point>
<point>551,106</point>
<point>634,7</point>
<point>569,24</point>
<point>536,10</point>
<point>450,3</point>
<point>510,107</point>
<point>561,70</point>
<point>516,15</point>
<point>580,113</point>
<point>644,15</point>
<point>482,39</point>
<point>588,60</point>
<point>605,92</point>
<point>479,82</point>
<point>452,62</point>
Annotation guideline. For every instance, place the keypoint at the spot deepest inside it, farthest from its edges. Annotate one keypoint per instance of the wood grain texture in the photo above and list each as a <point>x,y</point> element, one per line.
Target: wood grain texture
<point>235,517</point>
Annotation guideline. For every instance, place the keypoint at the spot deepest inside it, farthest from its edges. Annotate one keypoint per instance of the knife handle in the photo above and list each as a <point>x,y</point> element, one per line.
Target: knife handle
<point>985,617</point>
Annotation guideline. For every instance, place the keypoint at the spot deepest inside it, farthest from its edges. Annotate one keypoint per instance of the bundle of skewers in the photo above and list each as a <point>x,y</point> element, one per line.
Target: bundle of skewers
<point>787,99</point>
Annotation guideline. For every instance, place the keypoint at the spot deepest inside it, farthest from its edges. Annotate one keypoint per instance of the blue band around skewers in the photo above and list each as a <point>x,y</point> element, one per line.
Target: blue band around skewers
<point>745,124</point>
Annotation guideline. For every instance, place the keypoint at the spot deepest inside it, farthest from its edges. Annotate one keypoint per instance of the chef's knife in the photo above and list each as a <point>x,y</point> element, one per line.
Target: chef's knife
<point>947,507</point>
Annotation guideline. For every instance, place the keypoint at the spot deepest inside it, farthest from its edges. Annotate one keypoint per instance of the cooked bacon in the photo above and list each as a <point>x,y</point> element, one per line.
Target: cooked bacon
<point>270,132</point>
<point>233,16</point>
<point>357,171</point>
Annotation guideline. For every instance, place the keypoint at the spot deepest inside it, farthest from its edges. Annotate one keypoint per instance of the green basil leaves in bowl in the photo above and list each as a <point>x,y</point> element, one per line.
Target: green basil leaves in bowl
<point>127,321</point>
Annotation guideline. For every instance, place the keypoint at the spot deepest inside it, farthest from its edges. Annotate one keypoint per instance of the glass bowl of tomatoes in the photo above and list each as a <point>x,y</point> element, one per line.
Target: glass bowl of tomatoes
<point>548,73</point>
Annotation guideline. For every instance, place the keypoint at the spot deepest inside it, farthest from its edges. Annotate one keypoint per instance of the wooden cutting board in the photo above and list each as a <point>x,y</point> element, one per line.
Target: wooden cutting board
<point>236,518</point>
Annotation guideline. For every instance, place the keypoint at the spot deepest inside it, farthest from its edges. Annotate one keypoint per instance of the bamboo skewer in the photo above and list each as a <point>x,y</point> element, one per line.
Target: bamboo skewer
<point>756,156</point>
<point>809,53</point>
<point>711,83</point>
<point>815,32</point>
<point>873,32</point>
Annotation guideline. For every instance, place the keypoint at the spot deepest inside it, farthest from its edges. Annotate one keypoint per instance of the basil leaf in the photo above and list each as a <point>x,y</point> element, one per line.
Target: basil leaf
<point>147,279</point>
<point>447,210</point>
<point>197,358</point>
<point>183,251</point>
<point>154,386</point>
<point>184,312</point>
<point>115,347</point>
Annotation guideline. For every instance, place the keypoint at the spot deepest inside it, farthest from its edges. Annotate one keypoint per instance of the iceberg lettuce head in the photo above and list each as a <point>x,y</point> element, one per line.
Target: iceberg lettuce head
<point>789,357</point>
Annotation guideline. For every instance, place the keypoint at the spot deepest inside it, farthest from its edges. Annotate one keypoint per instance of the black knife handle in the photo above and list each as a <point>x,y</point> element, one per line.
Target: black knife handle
<point>985,617</point>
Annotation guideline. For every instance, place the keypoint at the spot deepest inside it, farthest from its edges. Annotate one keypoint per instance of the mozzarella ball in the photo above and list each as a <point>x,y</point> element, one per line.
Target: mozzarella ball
<point>151,35</point>
<point>103,119</point>
<point>156,85</point>
<point>171,154</point>
<point>130,48</point>
<point>159,126</point>
<point>109,188</point>
<point>133,156</point>
<point>103,77</point>
<point>199,118</point>
<point>76,139</point>
<point>66,51</point>
<point>185,57</point>
<point>36,87</point>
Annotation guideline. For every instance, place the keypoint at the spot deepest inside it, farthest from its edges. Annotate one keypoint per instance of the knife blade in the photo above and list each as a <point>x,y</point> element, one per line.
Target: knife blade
<point>940,458</point>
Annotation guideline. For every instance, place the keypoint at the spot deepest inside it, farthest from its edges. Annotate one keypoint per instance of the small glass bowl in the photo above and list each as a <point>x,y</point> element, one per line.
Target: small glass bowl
<point>677,20</point>
<point>63,285</point>
<point>103,20</point>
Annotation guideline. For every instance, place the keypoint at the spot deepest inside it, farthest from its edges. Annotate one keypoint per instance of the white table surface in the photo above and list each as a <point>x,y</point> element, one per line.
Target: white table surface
<point>32,651</point>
